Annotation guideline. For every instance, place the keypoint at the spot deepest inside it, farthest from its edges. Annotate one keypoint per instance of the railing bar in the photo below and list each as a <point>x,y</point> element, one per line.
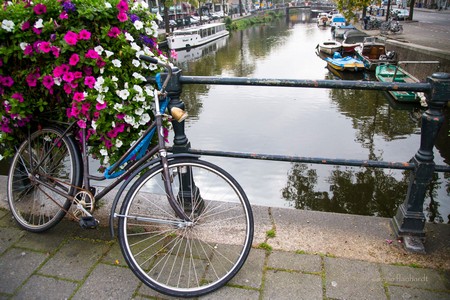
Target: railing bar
<point>331,84</point>
<point>311,160</point>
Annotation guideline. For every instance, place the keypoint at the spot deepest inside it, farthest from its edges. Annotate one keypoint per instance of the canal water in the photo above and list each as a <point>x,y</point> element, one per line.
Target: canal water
<point>347,124</point>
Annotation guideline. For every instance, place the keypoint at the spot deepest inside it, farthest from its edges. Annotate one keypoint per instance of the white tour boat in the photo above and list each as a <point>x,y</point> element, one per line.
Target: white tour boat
<point>196,36</point>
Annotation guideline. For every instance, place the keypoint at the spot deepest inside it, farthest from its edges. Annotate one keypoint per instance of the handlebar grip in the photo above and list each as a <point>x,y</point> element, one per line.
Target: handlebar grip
<point>149,59</point>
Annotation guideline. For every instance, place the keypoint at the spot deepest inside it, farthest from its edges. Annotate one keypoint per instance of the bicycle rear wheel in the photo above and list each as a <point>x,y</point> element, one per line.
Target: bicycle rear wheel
<point>35,207</point>
<point>186,259</point>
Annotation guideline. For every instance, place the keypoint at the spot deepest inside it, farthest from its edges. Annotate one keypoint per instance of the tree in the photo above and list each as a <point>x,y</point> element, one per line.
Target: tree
<point>349,8</point>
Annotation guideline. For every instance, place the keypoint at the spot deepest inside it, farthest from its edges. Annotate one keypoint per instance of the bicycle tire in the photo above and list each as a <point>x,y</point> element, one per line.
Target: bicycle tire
<point>194,260</point>
<point>30,201</point>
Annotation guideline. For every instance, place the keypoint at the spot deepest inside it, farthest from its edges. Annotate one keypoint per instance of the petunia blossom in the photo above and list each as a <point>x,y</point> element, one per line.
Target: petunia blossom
<point>92,54</point>
<point>114,32</point>
<point>40,9</point>
<point>84,35</point>
<point>17,96</point>
<point>89,81</point>
<point>71,38</point>
<point>45,47</point>
<point>48,81</point>
<point>78,96</point>
<point>74,59</point>
<point>122,17</point>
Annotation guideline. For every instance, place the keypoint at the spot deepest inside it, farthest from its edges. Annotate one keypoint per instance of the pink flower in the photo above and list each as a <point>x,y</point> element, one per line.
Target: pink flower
<point>91,54</point>
<point>63,15</point>
<point>84,35</point>
<point>67,88</point>
<point>114,32</point>
<point>122,6</point>
<point>48,81</point>
<point>37,30</point>
<point>89,81</point>
<point>71,38</point>
<point>85,108</point>
<point>173,54</point>
<point>122,17</point>
<point>40,9</point>
<point>101,63</point>
<point>120,116</point>
<point>74,59</point>
<point>77,75</point>
<point>18,96</point>
<point>68,77</point>
<point>32,79</point>
<point>7,81</point>
<point>26,25</point>
<point>28,50</point>
<point>81,123</point>
<point>60,70</point>
<point>55,51</point>
<point>100,106</point>
<point>108,144</point>
<point>78,96</point>
<point>45,47</point>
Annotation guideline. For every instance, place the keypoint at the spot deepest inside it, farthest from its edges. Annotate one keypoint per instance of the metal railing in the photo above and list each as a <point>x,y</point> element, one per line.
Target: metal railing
<point>409,222</point>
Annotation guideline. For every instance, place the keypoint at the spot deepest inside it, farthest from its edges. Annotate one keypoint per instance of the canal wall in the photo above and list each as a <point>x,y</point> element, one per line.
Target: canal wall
<point>414,52</point>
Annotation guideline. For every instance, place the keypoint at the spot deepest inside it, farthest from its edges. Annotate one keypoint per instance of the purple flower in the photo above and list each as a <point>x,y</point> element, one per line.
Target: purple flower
<point>18,96</point>
<point>7,81</point>
<point>114,32</point>
<point>134,18</point>
<point>48,81</point>
<point>84,35</point>
<point>69,6</point>
<point>40,9</point>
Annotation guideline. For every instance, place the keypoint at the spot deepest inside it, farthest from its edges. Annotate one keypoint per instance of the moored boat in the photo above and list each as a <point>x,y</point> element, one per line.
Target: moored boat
<point>394,73</point>
<point>196,36</point>
<point>347,63</point>
<point>372,52</point>
<point>339,31</point>
<point>352,39</point>
<point>322,19</point>
<point>329,47</point>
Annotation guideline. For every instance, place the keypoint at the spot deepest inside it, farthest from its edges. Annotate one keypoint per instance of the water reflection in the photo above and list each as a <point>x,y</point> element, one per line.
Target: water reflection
<point>351,124</point>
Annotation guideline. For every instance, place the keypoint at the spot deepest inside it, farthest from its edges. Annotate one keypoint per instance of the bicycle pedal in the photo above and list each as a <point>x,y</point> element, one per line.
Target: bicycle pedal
<point>88,222</point>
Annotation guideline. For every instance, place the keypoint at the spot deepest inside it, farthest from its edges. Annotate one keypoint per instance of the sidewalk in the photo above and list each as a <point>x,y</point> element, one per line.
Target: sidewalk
<point>315,256</point>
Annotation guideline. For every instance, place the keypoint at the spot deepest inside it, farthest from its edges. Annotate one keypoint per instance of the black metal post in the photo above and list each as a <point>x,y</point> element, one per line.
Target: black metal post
<point>180,141</point>
<point>409,223</point>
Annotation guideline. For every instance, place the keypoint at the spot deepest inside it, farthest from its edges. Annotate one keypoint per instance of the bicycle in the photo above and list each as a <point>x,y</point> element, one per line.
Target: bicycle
<point>391,26</point>
<point>185,226</point>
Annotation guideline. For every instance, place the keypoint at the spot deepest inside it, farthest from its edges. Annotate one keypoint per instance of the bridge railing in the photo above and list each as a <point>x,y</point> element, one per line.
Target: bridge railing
<point>409,222</point>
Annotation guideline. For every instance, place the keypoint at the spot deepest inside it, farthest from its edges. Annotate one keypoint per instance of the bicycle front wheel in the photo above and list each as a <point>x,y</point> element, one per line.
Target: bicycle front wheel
<point>53,159</point>
<point>180,258</point>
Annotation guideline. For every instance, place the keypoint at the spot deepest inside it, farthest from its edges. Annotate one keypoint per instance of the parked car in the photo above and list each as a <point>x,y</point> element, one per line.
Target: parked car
<point>400,14</point>
<point>194,20</point>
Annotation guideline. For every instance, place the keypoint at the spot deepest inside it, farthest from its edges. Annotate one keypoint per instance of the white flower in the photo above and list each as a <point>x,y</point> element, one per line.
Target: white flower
<point>158,17</point>
<point>23,45</point>
<point>117,63</point>
<point>129,37</point>
<point>153,67</point>
<point>94,125</point>
<point>100,80</point>
<point>57,81</point>
<point>138,25</point>
<point>101,98</point>
<point>8,25</point>
<point>108,53</point>
<point>129,119</point>
<point>108,5</point>
<point>114,78</point>
<point>39,24</point>
<point>99,49</point>
<point>1,157</point>
<point>145,118</point>
<point>139,98</point>
<point>103,152</point>
<point>135,62</point>
<point>118,143</point>
<point>149,90</point>
<point>123,94</point>
<point>138,89</point>
<point>106,159</point>
<point>139,76</point>
<point>135,47</point>
<point>139,111</point>
<point>118,106</point>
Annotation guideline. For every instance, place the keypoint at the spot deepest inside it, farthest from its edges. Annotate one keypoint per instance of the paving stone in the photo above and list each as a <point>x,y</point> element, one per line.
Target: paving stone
<point>45,242</point>
<point>16,265</point>
<point>114,282</point>
<point>353,279</point>
<point>74,259</point>
<point>413,277</point>
<point>227,292</point>
<point>44,288</point>
<point>114,256</point>
<point>399,292</point>
<point>281,285</point>
<point>251,273</point>
<point>294,261</point>
<point>8,237</point>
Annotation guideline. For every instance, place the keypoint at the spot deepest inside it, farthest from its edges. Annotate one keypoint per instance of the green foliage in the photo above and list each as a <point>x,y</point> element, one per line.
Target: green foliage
<point>265,246</point>
<point>77,60</point>
<point>350,8</point>
<point>271,233</point>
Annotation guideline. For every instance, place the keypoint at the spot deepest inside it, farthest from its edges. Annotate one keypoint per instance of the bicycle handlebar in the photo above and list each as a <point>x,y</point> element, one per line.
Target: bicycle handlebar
<point>162,64</point>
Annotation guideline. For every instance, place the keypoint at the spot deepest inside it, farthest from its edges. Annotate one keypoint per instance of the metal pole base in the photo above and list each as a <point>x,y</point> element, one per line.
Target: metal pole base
<point>409,227</point>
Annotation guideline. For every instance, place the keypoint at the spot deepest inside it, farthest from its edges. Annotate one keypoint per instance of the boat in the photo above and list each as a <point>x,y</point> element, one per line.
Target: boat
<point>322,19</point>
<point>346,63</point>
<point>196,36</point>
<point>372,51</point>
<point>352,39</point>
<point>339,31</point>
<point>329,47</point>
<point>342,75</point>
<point>191,54</point>
<point>337,20</point>
<point>394,73</point>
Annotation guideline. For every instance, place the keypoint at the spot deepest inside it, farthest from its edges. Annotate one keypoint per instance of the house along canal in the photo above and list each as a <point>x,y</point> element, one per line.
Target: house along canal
<point>348,124</point>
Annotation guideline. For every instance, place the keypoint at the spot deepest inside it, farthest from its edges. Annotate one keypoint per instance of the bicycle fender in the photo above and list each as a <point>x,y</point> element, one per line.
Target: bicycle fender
<point>132,176</point>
